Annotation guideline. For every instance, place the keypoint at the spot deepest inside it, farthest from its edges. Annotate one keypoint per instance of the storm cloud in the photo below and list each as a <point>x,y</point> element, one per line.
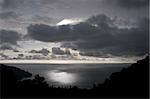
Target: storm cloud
<point>9,37</point>
<point>49,33</point>
<point>82,31</point>
<point>128,4</point>
<point>13,4</point>
<point>133,41</point>
<point>98,35</point>
<point>5,4</point>
<point>135,4</point>
<point>110,27</point>
<point>61,9</point>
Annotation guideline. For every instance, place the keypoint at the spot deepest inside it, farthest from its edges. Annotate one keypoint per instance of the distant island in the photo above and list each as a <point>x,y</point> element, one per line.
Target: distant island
<point>131,82</point>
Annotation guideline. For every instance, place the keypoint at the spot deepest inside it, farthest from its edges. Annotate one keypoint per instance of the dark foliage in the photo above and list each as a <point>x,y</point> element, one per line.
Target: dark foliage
<point>130,82</point>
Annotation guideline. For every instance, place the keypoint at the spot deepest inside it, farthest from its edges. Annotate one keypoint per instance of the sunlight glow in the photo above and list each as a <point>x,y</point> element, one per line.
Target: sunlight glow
<point>68,21</point>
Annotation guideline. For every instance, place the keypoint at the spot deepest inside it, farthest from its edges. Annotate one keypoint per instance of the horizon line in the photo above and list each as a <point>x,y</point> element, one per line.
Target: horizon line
<point>62,61</point>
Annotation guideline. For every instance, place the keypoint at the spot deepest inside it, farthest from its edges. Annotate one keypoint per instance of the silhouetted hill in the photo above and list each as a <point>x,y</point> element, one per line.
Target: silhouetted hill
<point>132,82</point>
<point>20,74</point>
<point>129,82</point>
<point>9,78</point>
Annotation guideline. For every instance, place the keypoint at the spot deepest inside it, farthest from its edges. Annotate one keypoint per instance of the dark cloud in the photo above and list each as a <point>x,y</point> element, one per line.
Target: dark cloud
<point>43,51</point>
<point>75,8</point>
<point>9,37</point>
<point>47,33</point>
<point>128,4</point>
<point>13,4</point>
<point>49,1</point>
<point>133,41</point>
<point>58,51</point>
<point>97,36</point>
<point>9,15</point>
<point>5,4</point>
<point>135,4</point>
<point>81,31</point>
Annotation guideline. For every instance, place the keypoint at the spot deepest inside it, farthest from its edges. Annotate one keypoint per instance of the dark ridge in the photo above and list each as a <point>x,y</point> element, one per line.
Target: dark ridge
<point>20,74</point>
<point>131,82</point>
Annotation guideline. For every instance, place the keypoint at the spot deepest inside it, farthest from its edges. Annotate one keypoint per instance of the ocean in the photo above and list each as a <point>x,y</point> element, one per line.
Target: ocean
<point>81,75</point>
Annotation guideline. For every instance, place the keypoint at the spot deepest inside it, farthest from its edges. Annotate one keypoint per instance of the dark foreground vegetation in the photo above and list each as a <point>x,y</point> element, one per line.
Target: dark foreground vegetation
<point>130,82</point>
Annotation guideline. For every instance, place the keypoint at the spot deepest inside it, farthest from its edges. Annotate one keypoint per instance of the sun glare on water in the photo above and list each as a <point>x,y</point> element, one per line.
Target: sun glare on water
<point>61,77</point>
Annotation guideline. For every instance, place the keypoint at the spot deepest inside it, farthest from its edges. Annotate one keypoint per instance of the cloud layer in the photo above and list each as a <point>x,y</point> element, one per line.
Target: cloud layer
<point>98,35</point>
<point>135,4</point>
<point>8,39</point>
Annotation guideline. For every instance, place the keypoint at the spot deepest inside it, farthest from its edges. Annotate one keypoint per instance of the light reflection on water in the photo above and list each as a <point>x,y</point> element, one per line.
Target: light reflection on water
<point>61,77</point>
<point>80,75</point>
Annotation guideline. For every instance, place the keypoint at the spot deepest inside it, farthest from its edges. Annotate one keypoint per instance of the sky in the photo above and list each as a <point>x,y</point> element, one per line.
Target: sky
<point>97,28</point>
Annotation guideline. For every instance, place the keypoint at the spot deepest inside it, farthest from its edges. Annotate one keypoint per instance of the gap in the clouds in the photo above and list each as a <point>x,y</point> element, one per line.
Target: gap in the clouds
<point>69,21</point>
